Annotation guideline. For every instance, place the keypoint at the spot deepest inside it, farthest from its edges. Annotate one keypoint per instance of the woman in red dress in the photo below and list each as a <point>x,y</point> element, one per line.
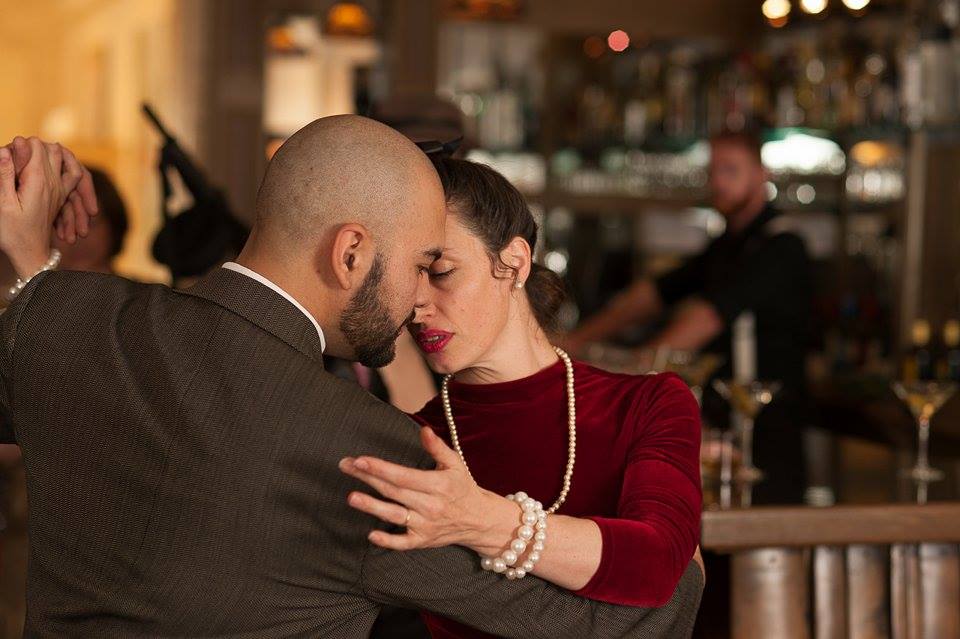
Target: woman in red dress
<point>614,458</point>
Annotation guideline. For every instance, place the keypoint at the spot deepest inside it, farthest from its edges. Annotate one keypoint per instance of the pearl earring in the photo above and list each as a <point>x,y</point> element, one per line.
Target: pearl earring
<point>518,285</point>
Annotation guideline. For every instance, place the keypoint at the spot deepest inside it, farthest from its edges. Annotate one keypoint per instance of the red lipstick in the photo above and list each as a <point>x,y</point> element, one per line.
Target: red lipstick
<point>433,341</point>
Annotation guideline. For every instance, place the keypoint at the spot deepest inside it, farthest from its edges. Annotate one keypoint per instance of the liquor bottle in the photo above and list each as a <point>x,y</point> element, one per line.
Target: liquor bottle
<point>949,366</point>
<point>680,88</point>
<point>918,363</point>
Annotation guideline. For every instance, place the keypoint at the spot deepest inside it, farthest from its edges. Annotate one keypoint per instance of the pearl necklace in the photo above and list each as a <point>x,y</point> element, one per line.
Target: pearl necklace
<point>571,423</point>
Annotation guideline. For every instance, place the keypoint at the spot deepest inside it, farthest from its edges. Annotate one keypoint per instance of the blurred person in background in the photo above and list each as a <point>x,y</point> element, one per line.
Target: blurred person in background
<point>96,252</point>
<point>752,267</point>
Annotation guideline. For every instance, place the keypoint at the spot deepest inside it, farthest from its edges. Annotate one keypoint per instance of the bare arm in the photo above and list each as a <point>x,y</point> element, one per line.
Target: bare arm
<point>693,327</point>
<point>569,560</point>
<point>639,303</point>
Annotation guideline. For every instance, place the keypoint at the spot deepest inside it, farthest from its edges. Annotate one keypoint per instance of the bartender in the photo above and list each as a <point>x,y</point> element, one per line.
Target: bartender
<point>753,267</point>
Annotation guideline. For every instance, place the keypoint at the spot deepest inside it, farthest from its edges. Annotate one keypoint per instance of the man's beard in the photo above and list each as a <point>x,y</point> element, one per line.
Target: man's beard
<point>366,322</point>
<point>735,209</point>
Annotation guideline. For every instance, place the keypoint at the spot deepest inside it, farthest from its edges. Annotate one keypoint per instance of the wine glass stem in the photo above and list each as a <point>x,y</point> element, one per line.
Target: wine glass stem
<point>726,470</point>
<point>923,432</point>
<point>746,441</point>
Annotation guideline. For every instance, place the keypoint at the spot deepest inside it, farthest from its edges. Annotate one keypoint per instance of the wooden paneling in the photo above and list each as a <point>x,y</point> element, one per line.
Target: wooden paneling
<point>940,590</point>
<point>770,594</point>
<point>868,592</point>
<point>875,572</point>
<point>830,592</point>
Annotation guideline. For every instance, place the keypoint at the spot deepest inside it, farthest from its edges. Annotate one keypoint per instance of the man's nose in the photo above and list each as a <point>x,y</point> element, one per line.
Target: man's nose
<point>423,305</point>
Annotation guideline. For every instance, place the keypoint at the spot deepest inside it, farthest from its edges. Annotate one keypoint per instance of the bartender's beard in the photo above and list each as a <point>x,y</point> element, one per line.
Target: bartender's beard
<point>366,323</point>
<point>739,213</point>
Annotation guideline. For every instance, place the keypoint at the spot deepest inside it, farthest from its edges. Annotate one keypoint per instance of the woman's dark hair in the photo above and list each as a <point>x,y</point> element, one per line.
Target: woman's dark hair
<point>494,210</point>
<point>112,209</point>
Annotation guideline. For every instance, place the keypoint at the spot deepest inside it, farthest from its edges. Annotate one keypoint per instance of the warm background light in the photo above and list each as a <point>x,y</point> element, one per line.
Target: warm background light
<point>349,18</point>
<point>776,9</point>
<point>618,40</point>
<point>813,7</point>
<point>856,5</point>
<point>594,47</point>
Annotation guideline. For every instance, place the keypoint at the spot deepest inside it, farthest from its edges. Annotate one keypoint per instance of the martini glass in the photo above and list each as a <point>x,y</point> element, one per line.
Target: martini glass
<point>613,359</point>
<point>719,464</point>
<point>924,399</point>
<point>747,400</point>
<point>694,368</point>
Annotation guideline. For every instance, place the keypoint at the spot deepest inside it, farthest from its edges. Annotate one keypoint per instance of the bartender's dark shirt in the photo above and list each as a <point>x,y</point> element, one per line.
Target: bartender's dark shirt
<point>763,271</point>
<point>768,272</point>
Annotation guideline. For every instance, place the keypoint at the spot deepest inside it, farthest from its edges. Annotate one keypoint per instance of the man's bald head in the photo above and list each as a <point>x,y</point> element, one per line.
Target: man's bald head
<point>350,216</point>
<point>344,169</point>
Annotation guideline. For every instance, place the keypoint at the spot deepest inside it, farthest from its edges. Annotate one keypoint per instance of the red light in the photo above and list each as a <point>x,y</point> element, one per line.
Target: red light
<point>618,40</point>
<point>593,47</point>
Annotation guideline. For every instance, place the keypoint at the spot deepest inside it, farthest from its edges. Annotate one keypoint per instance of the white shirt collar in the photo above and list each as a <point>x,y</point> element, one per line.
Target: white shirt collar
<point>243,270</point>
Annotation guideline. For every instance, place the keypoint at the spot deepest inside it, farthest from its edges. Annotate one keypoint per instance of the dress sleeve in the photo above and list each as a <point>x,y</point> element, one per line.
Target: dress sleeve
<point>650,543</point>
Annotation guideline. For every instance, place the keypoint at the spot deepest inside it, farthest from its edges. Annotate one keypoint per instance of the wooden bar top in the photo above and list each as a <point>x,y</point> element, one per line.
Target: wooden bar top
<point>763,527</point>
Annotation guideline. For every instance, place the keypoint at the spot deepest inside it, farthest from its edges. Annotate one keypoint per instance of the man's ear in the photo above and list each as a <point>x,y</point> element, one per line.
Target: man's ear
<point>352,255</point>
<point>517,256</point>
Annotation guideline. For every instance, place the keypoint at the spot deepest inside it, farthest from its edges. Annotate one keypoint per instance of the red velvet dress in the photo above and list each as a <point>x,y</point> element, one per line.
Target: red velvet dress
<point>637,472</point>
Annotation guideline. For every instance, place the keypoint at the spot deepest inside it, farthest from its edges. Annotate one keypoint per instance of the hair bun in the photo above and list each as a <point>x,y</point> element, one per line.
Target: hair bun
<point>546,293</point>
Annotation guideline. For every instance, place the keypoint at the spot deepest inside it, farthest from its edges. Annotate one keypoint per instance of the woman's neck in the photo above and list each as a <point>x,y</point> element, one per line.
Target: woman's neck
<point>521,350</point>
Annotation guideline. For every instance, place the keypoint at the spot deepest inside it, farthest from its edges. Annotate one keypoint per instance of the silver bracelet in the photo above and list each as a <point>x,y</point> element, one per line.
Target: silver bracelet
<point>52,263</point>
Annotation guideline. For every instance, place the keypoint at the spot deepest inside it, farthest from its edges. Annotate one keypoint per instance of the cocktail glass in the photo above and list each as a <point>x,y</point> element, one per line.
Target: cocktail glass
<point>747,399</point>
<point>924,399</point>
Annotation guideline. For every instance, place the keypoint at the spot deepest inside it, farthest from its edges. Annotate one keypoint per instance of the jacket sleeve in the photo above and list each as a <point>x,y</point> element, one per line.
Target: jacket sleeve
<point>449,582</point>
<point>9,322</point>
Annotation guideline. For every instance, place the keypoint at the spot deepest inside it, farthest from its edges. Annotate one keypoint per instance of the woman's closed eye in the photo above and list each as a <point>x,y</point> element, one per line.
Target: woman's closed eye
<point>439,275</point>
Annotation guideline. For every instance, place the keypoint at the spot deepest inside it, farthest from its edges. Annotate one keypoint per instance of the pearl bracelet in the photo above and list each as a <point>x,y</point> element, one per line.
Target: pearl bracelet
<point>52,263</point>
<point>533,528</point>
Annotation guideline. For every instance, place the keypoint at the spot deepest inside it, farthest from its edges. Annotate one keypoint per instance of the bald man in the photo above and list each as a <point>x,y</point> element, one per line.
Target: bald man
<point>182,446</point>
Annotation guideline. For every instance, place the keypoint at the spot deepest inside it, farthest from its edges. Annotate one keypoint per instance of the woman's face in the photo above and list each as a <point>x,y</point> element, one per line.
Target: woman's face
<point>91,253</point>
<point>468,306</point>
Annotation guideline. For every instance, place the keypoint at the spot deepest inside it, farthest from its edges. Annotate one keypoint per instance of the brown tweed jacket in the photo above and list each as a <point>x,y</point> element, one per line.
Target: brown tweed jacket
<point>181,450</point>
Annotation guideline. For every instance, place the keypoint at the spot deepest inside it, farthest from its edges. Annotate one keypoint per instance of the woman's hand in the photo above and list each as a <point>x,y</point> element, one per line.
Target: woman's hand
<point>438,507</point>
<point>42,189</point>
<point>79,199</point>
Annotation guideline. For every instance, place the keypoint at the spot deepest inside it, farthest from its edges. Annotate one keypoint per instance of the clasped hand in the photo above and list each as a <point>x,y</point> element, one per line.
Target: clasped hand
<point>438,507</point>
<point>43,189</point>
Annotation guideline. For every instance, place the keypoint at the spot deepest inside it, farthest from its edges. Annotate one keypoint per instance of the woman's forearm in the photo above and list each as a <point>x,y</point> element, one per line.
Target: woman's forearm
<point>639,303</point>
<point>574,552</point>
<point>571,553</point>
